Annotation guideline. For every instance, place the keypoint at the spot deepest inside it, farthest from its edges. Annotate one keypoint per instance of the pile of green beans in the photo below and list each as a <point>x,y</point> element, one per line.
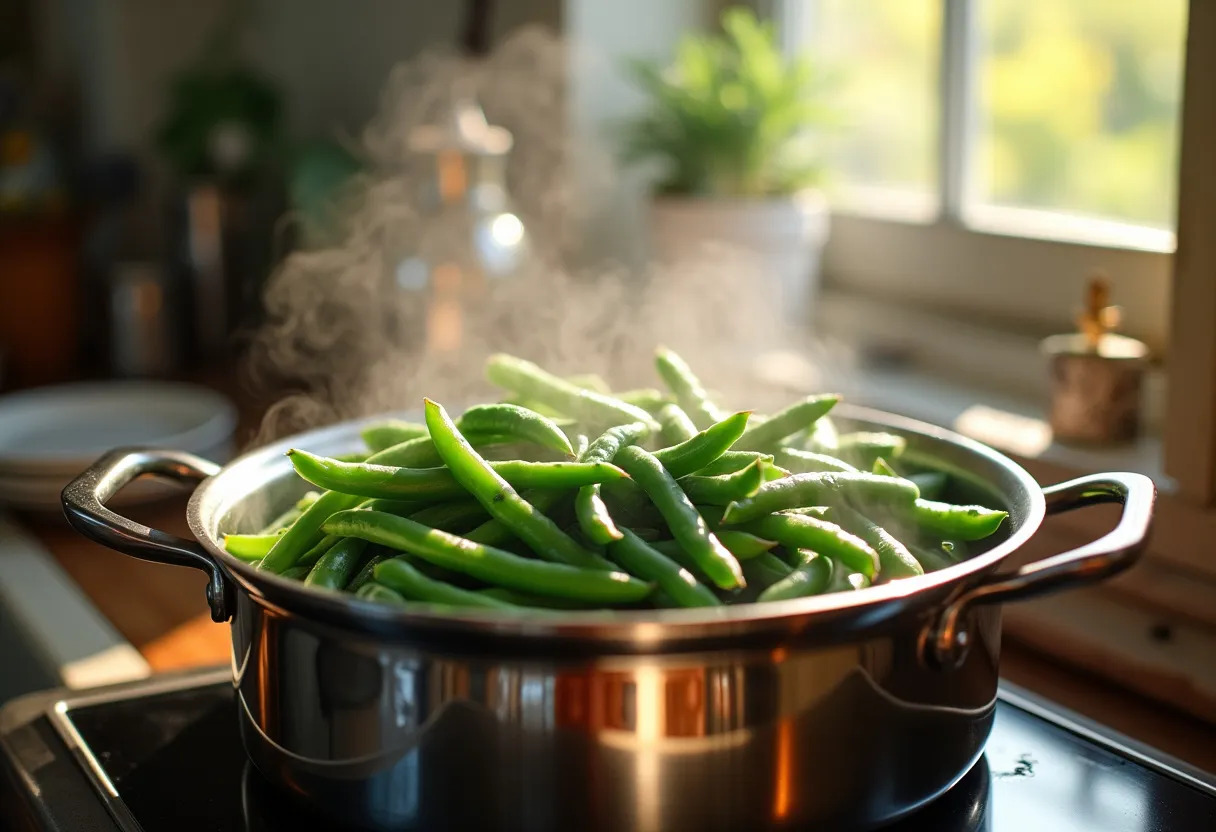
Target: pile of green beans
<point>566,496</point>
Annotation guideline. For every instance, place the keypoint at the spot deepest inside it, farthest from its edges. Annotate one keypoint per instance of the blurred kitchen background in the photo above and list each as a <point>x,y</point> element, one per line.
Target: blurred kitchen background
<point>201,201</point>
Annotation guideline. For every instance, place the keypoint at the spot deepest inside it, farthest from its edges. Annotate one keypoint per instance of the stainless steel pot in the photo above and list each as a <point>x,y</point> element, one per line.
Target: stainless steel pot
<point>839,711</point>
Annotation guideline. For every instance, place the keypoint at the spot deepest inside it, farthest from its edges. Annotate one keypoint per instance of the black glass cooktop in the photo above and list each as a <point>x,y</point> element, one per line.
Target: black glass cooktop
<point>172,760</point>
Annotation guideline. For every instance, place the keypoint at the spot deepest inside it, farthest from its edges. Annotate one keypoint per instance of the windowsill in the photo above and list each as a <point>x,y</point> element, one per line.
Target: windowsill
<point>986,384</point>
<point>913,207</point>
<point>991,385</point>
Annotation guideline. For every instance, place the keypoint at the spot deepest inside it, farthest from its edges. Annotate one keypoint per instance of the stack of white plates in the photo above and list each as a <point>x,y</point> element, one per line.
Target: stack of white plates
<point>50,434</point>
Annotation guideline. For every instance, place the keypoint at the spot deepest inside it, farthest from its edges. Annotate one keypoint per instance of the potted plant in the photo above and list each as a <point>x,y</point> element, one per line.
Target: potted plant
<point>735,126</point>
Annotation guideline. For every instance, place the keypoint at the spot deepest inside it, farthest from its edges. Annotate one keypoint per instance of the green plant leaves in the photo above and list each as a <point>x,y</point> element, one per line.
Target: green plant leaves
<point>732,115</point>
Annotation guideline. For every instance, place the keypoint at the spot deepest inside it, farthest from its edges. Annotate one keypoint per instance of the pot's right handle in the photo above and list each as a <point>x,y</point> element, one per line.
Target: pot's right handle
<point>949,641</point>
<point>84,502</point>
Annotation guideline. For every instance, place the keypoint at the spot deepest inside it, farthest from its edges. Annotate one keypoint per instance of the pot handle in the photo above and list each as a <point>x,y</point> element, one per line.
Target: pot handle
<point>84,505</point>
<point>949,640</point>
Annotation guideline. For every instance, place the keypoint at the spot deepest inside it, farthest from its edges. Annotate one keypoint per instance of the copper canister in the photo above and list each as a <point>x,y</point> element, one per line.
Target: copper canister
<point>1095,388</point>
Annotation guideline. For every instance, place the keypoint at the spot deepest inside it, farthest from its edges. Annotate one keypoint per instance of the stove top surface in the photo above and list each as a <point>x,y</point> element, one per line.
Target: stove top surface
<point>168,757</point>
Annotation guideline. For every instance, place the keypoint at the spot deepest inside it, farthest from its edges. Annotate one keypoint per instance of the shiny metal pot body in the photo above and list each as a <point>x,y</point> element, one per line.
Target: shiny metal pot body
<point>840,711</point>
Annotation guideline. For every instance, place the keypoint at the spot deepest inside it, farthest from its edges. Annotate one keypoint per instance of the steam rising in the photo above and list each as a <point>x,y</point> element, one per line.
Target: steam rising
<point>342,333</point>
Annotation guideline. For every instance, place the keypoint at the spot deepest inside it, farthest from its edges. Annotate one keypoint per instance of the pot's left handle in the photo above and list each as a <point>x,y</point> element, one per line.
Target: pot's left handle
<point>84,504</point>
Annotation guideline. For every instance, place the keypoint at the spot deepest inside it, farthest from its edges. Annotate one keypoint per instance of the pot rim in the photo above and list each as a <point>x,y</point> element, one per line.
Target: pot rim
<point>641,629</point>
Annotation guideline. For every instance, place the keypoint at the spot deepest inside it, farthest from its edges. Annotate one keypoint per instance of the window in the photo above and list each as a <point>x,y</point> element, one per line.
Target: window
<point>1033,141</point>
<point>885,54</point>
<point>1077,107</point>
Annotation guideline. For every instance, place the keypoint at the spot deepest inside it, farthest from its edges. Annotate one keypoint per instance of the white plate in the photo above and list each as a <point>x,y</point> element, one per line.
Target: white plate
<point>62,429</point>
<point>49,435</point>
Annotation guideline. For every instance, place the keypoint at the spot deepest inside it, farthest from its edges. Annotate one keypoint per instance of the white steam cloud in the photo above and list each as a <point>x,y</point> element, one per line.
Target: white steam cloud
<point>347,338</point>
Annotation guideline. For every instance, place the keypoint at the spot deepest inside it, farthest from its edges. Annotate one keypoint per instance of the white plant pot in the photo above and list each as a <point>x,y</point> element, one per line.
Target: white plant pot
<point>781,240</point>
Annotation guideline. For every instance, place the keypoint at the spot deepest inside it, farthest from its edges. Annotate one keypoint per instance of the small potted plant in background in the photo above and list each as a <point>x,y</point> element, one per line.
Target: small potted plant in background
<point>736,128</point>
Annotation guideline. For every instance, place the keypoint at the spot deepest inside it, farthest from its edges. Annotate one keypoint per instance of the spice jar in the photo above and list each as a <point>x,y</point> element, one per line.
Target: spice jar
<point>1096,375</point>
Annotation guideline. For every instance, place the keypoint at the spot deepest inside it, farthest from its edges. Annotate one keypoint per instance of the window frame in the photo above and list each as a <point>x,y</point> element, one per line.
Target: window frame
<point>1035,262</point>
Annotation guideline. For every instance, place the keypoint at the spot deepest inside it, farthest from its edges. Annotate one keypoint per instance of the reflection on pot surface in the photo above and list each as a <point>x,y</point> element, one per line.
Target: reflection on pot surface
<point>409,736</point>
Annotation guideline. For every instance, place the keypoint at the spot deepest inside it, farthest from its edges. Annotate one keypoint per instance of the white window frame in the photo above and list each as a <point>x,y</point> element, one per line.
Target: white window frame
<point>1021,267</point>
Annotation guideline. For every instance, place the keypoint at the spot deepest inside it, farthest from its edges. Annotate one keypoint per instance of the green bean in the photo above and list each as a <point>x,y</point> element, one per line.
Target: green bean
<point>647,398</point>
<point>593,516</point>
<point>527,599</point>
<point>682,518</point>
<point>675,425</point>
<point>516,422</point>
<point>767,435</point>
<point>297,573</point>
<point>640,559</point>
<point>884,469</point>
<point>822,436</point>
<point>697,452</point>
<point>500,499</point>
<point>365,573</point>
<point>305,532</point>
<point>388,482</point>
<point>458,516</point>
<point>403,507</point>
<point>292,514</point>
<point>810,577</point>
<point>729,462</point>
<point>801,531</point>
<point>398,574</point>
<point>726,488</point>
<point>590,381</point>
<point>494,566</point>
<point>581,444</point>
<point>250,547</point>
<point>895,561</point>
<point>660,600</point>
<point>420,452</point>
<point>819,489</point>
<point>959,522</point>
<point>689,393</point>
<point>533,405</point>
<point>863,447</point>
<point>338,565</point>
<point>846,580</point>
<point>929,558</point>
<point>494,533</point>
<point>371,591</point>
<point>530,380</point>
<point>310,558</point>
<point>390,432</point>
<point>765,571</point>
<point>932,484</point>
<point>809,462</point>
<point>743,545</point>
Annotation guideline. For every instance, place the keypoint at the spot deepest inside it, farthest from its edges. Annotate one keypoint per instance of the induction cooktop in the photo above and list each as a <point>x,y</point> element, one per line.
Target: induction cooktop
<point>164,754</point>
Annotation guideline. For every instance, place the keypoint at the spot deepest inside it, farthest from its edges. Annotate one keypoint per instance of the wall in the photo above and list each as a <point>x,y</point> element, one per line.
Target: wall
<point>329,57</point>
<point>603,35</point>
